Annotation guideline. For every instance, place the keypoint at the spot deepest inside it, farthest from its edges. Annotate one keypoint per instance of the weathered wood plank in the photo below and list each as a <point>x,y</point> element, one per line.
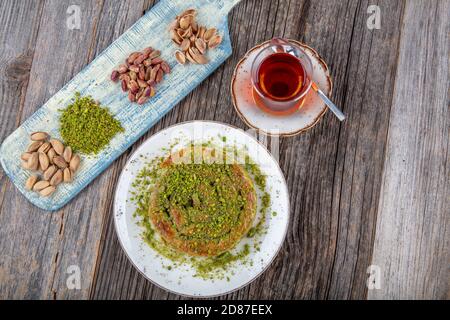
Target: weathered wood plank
<point>320,258</point>
<point>412,247</point>
<point>38,247</point>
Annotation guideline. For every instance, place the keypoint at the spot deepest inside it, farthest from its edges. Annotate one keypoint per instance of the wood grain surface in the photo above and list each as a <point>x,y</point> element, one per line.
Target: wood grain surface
<point>371,190</point>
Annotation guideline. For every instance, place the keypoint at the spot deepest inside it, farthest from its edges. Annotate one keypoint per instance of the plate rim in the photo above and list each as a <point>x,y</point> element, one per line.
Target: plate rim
<point>286,134</point>
<point>247,282</point>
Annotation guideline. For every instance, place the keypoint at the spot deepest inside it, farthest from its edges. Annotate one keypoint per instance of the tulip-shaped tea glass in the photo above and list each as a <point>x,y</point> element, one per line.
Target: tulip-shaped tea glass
<point>282,76</point>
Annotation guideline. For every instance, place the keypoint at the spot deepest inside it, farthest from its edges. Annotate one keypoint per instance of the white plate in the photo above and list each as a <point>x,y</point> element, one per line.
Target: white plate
<point>181,279</point>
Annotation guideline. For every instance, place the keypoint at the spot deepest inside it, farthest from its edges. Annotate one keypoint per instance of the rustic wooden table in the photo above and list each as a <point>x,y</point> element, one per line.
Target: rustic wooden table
<point>373,190</point>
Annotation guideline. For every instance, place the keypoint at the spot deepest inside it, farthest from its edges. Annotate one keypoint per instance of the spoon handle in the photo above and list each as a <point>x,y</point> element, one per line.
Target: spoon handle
<point>338,113</point>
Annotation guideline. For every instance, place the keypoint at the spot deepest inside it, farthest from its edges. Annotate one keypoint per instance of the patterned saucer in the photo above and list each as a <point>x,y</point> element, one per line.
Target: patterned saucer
<point>305,118</point>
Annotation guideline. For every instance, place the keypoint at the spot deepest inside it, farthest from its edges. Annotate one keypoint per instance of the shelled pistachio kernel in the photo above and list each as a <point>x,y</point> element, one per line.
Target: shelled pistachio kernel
<point>31,181</point>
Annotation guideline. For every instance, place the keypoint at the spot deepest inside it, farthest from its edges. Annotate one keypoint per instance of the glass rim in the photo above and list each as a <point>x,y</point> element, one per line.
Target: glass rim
<point>256,64</point>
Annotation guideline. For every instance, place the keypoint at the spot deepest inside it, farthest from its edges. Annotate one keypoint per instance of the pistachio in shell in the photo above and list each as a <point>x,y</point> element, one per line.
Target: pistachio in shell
<point>48,174</point>
<point>25,156</point>
<point>67,154</point>
<point>33,161</point>
<point>45,147</point>
<point>57,178</point>
<point>44,162</point>
<point>51,154</point>
<point>39,136</point>
<point>75,163</point>
<point>67,175</point>
<point>34,146</point>
<point>60,162</point>
<point>41,185</point>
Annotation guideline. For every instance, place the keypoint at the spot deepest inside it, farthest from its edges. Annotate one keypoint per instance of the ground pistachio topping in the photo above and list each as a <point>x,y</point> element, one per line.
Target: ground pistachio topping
<point>86,126</point>
<point>180,186</point>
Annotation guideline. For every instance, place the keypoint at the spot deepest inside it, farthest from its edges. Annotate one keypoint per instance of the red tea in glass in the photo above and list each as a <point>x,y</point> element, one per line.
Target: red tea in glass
<point>280,78</point>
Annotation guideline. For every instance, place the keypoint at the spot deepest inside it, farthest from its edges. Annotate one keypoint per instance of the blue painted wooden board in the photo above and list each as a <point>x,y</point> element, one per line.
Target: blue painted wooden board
<point>94,80</point>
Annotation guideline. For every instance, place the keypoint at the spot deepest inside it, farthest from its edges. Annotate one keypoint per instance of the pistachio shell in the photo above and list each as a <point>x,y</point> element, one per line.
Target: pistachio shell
<point>142,100</point>
<point>159,76</point>
<point>185,33</point>
<point>175,36</point>
<point>41,185</point>
<point>188,57</point>
<point>181,58</point>
<point>191,12</point>
<point>135,69</point>
<point>185,45</point>
<point>200,44</point>
<point>24,165</point>
<point>25,156</point>
<point>51,154</point>
<point>154,54</point>
<point>133,76</point>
